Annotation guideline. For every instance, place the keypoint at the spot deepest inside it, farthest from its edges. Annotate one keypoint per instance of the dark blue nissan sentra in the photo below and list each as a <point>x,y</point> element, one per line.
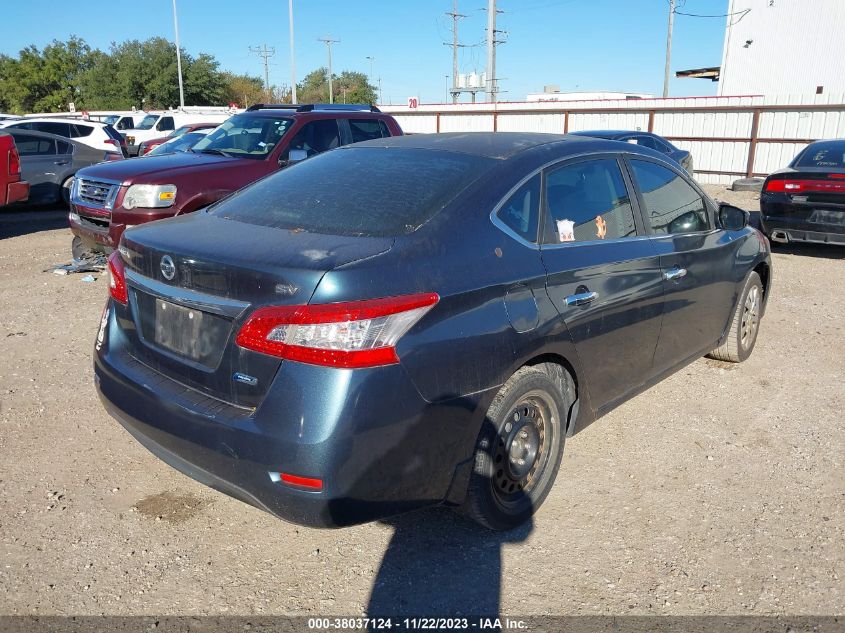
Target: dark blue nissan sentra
<point>420,320</point>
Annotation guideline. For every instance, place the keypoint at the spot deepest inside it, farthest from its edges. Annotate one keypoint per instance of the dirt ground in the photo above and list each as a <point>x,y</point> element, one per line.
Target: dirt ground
<point>719,491</point>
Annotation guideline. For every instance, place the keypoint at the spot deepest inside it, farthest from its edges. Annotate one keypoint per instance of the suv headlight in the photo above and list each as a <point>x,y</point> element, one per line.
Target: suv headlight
<point>149,196</point>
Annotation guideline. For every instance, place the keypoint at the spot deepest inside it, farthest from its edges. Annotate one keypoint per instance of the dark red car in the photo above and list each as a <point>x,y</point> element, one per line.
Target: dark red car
<point>108,198</point>
<point>146,146</point>
<point>12,188</point>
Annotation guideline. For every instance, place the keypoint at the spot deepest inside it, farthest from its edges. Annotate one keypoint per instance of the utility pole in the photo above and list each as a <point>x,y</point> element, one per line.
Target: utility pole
<point>178,57</point>
<point>455,46</point>
<point>492,42</point>
<point>292,55</point>
<point>266,53</point>
<point>329,41</point>
<point>668,48</point>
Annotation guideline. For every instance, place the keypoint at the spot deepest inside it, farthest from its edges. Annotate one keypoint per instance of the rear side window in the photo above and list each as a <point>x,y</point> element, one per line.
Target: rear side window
<point>64,148</point>
<point>671,204</point>
<point>50,127</point>
<point>587,201</point>
<point>823,155</point>
<point>34,145</point>
<point>78,130</point>
<point>521,211</point>
<point>361,191</point>
<point>367,129</point>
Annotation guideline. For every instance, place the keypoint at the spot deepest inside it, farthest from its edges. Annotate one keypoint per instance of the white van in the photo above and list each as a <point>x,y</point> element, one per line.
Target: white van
<point>120,121</point>
<point>158,124</point>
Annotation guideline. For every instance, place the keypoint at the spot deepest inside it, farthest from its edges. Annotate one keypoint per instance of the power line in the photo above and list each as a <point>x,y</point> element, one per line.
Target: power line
<point>492,42</point>
<point>266,53</point>
<point>720,15</point>
<point>455,46</point>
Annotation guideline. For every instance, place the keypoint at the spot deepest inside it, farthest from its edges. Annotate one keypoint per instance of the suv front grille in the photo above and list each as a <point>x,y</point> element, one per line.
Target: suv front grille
<point>97,193</point>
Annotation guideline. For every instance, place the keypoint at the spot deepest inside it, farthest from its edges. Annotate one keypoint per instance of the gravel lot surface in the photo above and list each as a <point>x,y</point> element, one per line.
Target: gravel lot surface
<point>719,491</point>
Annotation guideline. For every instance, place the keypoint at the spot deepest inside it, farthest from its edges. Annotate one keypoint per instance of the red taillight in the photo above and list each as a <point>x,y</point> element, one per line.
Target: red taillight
<point>111,141</point>
<point>349,335</point>
<point>806,185</point>
<point>14,162</point>
<point>117,278</point>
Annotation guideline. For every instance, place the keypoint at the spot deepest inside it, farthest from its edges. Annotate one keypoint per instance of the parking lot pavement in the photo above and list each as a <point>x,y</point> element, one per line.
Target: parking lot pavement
<point>719,491</point>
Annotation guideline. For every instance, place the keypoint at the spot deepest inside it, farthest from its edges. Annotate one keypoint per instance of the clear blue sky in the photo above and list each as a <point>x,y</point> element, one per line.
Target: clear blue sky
<point>576,44</point>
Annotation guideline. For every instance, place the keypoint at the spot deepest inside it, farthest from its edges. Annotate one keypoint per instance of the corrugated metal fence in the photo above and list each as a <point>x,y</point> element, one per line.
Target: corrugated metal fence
<point>729,137</point>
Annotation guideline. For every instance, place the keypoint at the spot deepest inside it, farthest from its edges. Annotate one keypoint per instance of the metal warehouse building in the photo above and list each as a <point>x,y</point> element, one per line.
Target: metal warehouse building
<point>775,47</point>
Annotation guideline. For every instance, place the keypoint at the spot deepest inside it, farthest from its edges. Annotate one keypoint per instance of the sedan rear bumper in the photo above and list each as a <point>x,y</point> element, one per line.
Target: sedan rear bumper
<point>785,229</point>
<point>376,445</point>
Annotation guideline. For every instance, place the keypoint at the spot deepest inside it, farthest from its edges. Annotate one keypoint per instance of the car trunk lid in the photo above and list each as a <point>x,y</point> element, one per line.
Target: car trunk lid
<point>192,287</point>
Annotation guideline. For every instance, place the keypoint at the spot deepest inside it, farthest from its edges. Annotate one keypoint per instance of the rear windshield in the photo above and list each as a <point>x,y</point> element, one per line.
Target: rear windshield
<point>823,155</point>
<point>362,191</point>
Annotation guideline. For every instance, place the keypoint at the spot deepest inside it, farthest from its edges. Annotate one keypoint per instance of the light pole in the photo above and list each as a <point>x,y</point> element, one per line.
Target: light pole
<point>370,78</point>
<point>329,41</point>
<point>668,48</point>
<point>178,57</point>
<point>292,57</point>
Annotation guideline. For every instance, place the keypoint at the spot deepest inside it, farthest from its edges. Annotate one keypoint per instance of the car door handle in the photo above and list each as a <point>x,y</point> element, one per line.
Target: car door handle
<point>581,299</point>
<point>675,274</point>
<point>61,162</point>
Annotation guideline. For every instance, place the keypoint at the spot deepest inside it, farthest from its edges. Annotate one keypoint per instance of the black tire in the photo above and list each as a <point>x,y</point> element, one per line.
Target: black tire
<point>66,191</point>
<point>745,324</point>
<point>520,446</point>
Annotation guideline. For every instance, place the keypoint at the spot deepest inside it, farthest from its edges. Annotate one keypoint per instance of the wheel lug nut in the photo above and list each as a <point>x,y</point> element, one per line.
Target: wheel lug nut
<point>508,427</point>
<point>524,434</point>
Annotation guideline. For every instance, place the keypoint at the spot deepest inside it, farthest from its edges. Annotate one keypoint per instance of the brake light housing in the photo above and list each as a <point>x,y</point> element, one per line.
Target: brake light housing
<point>117,279</point>
<point>834,184</point>
<point>349,335</point>
<point>14,162</point>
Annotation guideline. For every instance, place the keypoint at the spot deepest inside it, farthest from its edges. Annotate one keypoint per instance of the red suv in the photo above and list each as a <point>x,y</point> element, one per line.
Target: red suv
<point>110,197</point>
<point>12,188</point>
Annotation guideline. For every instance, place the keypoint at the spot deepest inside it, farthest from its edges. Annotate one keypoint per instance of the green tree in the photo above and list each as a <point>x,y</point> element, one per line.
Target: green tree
<point>242,89</point>
<point>45,81</point>
<point>349,87</point>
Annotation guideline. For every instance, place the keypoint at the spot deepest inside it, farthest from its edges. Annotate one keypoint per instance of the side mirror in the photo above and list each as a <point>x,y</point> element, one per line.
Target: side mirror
<point>296,155</point>
<point>733,218</point>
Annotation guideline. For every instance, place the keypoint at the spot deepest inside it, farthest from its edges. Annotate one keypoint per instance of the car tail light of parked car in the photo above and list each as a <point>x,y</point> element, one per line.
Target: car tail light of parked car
<point>834,183</point>
<point>117,278</point>
<point>350,335</point>
<point>14,162</point>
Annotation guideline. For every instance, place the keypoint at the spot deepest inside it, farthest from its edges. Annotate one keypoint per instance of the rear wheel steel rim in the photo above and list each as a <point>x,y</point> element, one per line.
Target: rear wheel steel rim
<point>523,447</point>
<point>750,317</point>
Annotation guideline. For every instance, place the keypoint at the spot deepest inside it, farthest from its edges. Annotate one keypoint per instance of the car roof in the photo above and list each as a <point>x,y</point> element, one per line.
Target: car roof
<point>827,142</point>
<point>47,119</point>
<point>57,137</point>
<point>499,145</point>
<point>611,134</point>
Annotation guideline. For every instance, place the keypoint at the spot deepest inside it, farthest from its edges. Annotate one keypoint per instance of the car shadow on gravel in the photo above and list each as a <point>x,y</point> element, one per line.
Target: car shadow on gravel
<point>17,221</point>
<point>439,564</point>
